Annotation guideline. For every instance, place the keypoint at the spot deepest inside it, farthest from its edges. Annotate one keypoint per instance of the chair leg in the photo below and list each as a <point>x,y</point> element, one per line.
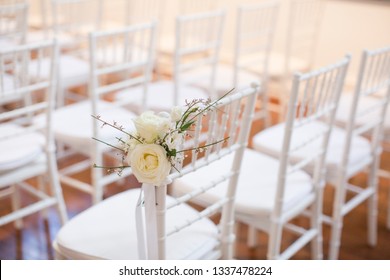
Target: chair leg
<point>337,226</point>
<point>252,236</point>
<point>337,223</point>
<point>372,217</point>
<point>97,174</point>
<point>388,209</point>
<point>275,241</point>
<point>316,223</point>
<point>56,188</point>
<point>42,188</point>
<point>16,205</point>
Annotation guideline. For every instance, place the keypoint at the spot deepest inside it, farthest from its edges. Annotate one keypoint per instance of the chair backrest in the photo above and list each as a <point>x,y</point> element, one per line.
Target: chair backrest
<point>190,7</point>
<point>314,99</point>
<point>130,12</point>
<point>15,84</point>
<point>74,19</point>
<point>305,17</point>
<point>254,35</point>
<point>373,81</point>
<point>144,11</point>
<point>13,22</point>
<point>197,46</point>
<point>231,117</point>
<point>126,54</point>
<point>253,41</point>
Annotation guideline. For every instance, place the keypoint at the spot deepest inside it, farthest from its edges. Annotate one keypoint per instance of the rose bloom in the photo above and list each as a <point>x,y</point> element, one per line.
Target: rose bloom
<point>151,126</point>
<point>149,164</point>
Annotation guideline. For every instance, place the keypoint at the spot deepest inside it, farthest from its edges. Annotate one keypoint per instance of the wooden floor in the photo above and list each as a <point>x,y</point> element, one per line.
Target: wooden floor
<point>34,240</point>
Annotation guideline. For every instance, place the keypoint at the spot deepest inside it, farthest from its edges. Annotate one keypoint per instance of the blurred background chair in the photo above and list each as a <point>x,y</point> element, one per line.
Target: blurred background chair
<point>173,229</point>
<point>13,24</point>
<point>364,113</point>
<point>303,30</point>
<point>116,64</point>
<point>195,48</point>
<point>350,151</point>
<point>71,26</point>
<point>27,150</point>
<point>271,192</point>
<point>255,27</point>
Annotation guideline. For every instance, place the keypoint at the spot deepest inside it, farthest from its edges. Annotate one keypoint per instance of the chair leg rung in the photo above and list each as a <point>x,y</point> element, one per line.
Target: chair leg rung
<point>28,210</point>
<point>355,201</point>
<point>298,244</point>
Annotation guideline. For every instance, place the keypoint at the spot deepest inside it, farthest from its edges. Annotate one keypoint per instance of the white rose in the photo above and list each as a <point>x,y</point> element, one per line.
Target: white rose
<point>176,113</point>
<point>150,126</point>
<point>149,164</point>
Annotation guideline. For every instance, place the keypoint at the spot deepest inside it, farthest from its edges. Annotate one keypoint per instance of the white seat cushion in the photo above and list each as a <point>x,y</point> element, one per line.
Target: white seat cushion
<point>73,71</point>
<point>344,109</point>
<point>108,231</point>
<point>160,95</point>
<point>270,141</point>
<point>224,79</point>
<point>7,44</point>
<point>276,65</point>
<point>256,188</point>
<point>7,86</point>
<point>73,124</point>
<point>18,148</point>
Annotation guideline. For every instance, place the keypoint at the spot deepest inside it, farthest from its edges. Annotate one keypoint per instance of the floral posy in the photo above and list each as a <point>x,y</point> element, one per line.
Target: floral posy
<point>152,150</point>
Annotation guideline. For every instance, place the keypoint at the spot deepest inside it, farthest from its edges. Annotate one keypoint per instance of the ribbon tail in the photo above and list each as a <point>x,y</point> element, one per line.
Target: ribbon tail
<point>151,221</point>
<point>139,221</point>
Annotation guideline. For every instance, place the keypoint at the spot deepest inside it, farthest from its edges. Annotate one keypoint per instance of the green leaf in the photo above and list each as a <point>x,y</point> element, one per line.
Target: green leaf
<point>186,126</point>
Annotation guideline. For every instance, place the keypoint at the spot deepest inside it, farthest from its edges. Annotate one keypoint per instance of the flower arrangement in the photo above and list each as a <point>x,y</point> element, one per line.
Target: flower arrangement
<point>152,151</point>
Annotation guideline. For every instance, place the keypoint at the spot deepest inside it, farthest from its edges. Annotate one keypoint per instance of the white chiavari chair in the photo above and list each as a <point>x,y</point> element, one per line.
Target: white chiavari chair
<point>174,230</point>
<point>27,150</point>
<point>350,151</point>
<point>195,49</point>
<point>124,66</point>
<point>255,27</point>
<point>166,46</point>
<point>303,29</point>
<point>130,12</point>
<point>13,24</point>
<point>271,192</point>
<point>39,21</point>
<point>373,85</point>
<point>71,25</point>
<point>121,13</point>
<point>187,7</point>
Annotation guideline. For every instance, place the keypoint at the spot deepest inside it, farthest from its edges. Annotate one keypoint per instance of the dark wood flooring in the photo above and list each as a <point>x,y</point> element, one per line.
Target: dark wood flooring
<point>34,240</point>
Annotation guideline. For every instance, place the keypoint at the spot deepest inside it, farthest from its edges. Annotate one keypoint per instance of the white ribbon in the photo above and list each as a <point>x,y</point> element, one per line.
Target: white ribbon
<point>147,248</point>
<point>139,223</point>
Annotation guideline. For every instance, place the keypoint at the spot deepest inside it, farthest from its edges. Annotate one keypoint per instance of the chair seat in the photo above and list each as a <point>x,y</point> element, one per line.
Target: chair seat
<point>276,65</point>
<point>73,124</point>
<point>160,95</point>
<point>270,141</point>
<point>7,86</point>
<point>108,231</point>
<point>256,189</point>
<point>73,71</point>
<point>19,150</point>
<point>224,79</point>
<point>344,109</point>
<point>7,43</point>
